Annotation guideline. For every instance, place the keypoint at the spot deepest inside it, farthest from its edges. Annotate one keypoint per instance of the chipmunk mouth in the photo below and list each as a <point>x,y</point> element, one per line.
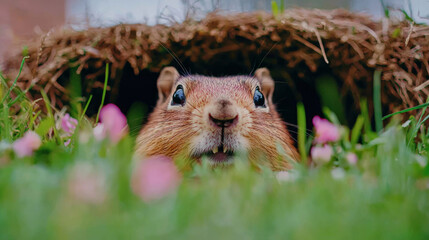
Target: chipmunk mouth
<point>218,148</point>
<point>220,154</point>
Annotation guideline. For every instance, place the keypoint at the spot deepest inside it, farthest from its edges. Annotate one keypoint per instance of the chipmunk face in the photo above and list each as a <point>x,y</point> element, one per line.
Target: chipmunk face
<point>216,117</point>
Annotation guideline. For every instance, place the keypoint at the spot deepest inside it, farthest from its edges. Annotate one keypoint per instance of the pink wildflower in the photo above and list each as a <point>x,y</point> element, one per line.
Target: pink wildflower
<point>26,145</point>
<point>321,154</point>
<point>351,158</point>
<point>67,142</point>
<point>68,123</point>
<point>114,122</point>
<point>87,184</point>
<point>154,178</point>
<point>325,131</point>
<point>99,132</point>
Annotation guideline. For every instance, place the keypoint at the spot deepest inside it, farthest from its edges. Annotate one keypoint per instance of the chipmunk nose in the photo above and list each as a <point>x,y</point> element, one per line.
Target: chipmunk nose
<point>223,114</point>
<point>223,122</point>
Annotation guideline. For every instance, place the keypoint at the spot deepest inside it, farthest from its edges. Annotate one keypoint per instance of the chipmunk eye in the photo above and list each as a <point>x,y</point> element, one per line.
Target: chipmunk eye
<point>178,96</point>
<point>258,98</point>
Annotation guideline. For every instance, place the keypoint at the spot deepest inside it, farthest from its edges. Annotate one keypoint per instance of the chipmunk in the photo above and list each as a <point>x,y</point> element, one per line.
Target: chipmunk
<point>217,117</point>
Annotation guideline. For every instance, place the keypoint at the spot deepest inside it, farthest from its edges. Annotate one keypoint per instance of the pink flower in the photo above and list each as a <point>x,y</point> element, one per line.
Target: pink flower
<point>68,123</point>
<point>114,122</point>
<point>99,132</point>
<point>27,144</point>
<point>351,158</point>
<point>87,184</point>
<point>321,154</point>
<point>325,131</point>
<point>154,178</point>
<point>66,143</point>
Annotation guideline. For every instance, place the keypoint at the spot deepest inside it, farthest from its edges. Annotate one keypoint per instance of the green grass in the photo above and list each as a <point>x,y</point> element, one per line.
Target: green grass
<point>106,78</point>
<point>377,101</point>
<point>379,199</point>
<point>302,132</point>
<point>384,196</point>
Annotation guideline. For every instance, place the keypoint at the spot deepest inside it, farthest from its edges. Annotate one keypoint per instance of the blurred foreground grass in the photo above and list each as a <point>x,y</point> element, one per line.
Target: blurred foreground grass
<point>385,195</point>
<point>383,198</point>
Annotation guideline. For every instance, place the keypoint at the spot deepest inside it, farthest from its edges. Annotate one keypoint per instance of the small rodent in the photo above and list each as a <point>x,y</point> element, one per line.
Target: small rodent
<point>218,117</point>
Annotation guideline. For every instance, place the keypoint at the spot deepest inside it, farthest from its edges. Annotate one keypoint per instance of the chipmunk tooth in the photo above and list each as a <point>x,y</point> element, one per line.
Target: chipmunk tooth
<point>215,149</point>
<point>224,149</point>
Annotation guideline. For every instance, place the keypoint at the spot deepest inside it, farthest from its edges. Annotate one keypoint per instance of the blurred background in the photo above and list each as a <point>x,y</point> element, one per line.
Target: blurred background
<point>21,19</point>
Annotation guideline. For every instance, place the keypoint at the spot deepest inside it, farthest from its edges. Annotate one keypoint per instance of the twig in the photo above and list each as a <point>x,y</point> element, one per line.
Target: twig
<point>307,43</point>
<point>409,34</point>
<point>421,86</point>
<point>321,45</point>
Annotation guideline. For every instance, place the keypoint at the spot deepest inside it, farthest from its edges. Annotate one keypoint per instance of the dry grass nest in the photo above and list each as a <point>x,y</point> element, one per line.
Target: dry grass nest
<point>303,41</point>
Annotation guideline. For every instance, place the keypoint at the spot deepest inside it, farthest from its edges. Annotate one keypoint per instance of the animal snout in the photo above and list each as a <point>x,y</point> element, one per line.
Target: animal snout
<point>224,103</point>
<point>223,114</point>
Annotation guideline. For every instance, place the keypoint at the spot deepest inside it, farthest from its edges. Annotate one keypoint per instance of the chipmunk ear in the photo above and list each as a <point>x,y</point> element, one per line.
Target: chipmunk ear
<point>267,83</point>
<point>165,82</point>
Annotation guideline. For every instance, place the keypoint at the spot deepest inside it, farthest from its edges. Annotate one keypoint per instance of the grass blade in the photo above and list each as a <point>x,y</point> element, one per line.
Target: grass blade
<point>282,6</point>
<point>419,123</point>
<point>75,87</point>
<point>357,129</point>
<point>423,111</point>
<point>365,115</point>
<point>302,127</point>
<point>377,101</point>
<point>50,115</point>
<point>5,124</point>
<point>86,108</point>
<point>106,78</point>
<point>14,82</point>
<point>331,116</point>
<point>274,8</point>
<point>406,110</point>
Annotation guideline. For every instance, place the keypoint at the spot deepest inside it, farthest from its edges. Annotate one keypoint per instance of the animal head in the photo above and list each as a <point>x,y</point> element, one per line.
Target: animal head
<point>217,117</point>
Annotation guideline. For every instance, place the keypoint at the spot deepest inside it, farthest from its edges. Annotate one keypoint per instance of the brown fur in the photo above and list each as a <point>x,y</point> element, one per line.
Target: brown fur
<point>178,131</point>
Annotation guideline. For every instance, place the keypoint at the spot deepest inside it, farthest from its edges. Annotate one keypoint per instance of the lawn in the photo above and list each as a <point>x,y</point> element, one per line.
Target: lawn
<point>61,177</point>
